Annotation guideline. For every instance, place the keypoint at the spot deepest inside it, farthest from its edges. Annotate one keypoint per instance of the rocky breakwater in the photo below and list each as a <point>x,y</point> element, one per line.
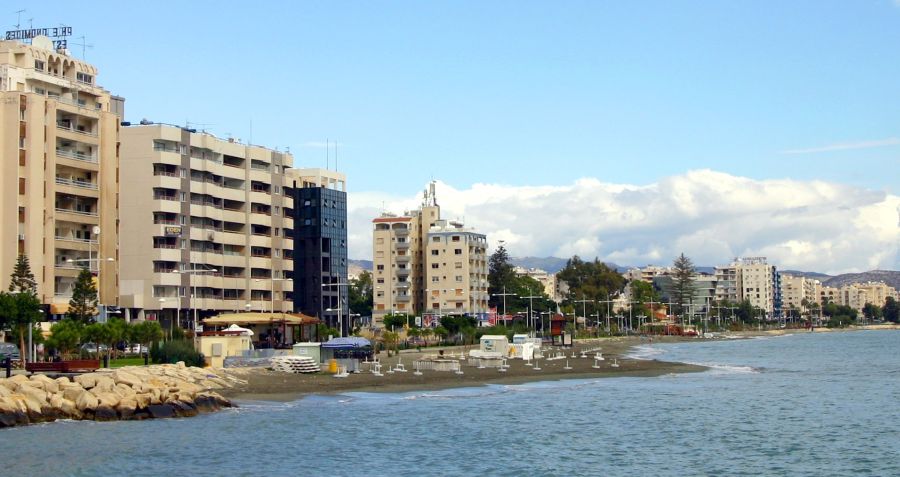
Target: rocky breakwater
<point>129,393</point>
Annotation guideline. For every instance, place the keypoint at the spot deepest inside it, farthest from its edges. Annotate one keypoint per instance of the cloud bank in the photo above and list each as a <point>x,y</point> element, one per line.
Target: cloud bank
<point>710,216</point>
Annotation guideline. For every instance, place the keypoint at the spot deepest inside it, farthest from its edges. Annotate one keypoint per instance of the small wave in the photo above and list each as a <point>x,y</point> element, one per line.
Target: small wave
<point>729,369</point>
<point>644,352</point>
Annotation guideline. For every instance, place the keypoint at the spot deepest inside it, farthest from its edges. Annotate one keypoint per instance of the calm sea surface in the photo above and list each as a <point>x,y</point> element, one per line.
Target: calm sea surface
<point>810,404</point>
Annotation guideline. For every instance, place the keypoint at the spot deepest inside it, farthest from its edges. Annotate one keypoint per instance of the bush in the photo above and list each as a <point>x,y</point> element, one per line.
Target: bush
<point>174,351</point>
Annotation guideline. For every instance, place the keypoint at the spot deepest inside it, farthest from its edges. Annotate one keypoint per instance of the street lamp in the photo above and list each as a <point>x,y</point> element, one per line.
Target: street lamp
<point>504,295</point>
<point>340,316</point>
<point>530,299</point>
<point>194,290</point>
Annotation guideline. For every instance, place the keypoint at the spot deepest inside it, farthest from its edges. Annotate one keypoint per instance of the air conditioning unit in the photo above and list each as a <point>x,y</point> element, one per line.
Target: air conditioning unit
<point>21,236</point>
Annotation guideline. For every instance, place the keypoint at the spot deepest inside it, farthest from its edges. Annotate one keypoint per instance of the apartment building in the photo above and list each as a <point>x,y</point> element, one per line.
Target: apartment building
<point>456,270</point>
<point>857,295</point>
<point>320,245</point>
<point>398,259</point>
<point>727,284</point>
<point>58,198</point>
<point>206,225</point>
<point>797,290</point>
<point>547,280</point>
<point>647,273</point>
<point>424,264</point>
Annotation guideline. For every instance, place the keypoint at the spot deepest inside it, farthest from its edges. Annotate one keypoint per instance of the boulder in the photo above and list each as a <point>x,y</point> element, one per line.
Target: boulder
<point>69,409</point>
<point>86,402</point>
<point>184,409</point>
<point>47,384</point>
<point>143,400</point>
<point>4,391</point>
<point>11,414</point>
<point>104,384</point>
<point>105,413</point>
<point>31,391</point>
<point>106,399</point>
<point>127,378</point>
<point>73,391</point>
<point>87,381</point>
<point>161,410</point>
<point>127,408</point>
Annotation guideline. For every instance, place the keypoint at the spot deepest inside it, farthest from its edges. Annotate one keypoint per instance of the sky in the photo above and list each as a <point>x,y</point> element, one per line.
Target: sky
<point>628,131</point>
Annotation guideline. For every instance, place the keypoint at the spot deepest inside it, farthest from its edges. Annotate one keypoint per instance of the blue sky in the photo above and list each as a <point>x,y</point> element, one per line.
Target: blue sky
<point>520,93</point>
<point>631,131</point>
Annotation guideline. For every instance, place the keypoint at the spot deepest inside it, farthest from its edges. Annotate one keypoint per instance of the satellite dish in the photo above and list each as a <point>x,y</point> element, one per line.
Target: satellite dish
<point>96,230</point>
<point>42,42</point>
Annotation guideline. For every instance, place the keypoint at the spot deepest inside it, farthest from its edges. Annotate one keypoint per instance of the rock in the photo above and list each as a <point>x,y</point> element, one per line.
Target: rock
<point>31,391</point>
<point>161,411</point>
<point>33,405</point>
<point>105,413</point>
<point>106,399</point>
<point>73,391</point>
<point>4,391</point>
<point>86,402</point>
<point>143,400</point>
<point>127,408</point>
<point>104,384</point>
<point>11,414</point>
<point>180,364</point>
<point>124,390</point>
<point>125,377</point>
<point>187,387</point>
<point>184,409</point>
<point>69,409</point>
<point>47,384</point>
<point>87,381</point>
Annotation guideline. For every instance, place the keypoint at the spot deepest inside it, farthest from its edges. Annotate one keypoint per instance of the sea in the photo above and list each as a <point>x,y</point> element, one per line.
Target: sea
<point>809,404</point>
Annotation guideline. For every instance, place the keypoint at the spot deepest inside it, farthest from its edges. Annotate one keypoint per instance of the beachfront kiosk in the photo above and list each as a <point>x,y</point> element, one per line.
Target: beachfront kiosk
<point>217,345</point>
<point>347,352</point>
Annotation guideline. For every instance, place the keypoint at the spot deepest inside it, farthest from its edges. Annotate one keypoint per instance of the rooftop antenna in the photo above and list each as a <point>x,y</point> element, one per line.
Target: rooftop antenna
<point>19,17</point>
<point>327,158</point>
<point>335,155</point>
<point>250,139</point>
<point>83,45</point>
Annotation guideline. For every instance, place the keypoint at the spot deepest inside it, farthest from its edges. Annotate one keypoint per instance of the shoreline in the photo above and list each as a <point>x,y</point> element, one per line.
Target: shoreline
<point>266,385</point>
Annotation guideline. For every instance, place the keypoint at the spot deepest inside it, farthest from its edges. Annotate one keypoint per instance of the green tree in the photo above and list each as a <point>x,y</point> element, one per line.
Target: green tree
<point>146,332</point>
<point>117,329</point>
<point>872,312</point>
<point>83,304</point>
<point>18,312</point>
<point>441,333</point>
<point>361,294</point>
<point>97,333</point>
<point>397,321</point>
<point>501,277</point>
<point>891,310</point>
<point>683,278</point>
<point>22,280</point>
<point>589,281</point>
<point>65,336</point>
<point>643,293</point>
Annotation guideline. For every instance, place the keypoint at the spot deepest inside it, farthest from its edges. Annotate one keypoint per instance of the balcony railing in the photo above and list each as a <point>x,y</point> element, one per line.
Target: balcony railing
<point>76,212</point>
<point>79,104</point>
<point>75,239</point>
<point>76,183</point>
<point>68,127</point>
<point>78,156</point>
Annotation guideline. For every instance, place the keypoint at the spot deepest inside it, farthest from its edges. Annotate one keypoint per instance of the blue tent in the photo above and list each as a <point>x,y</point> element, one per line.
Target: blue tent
<point>349,342</point>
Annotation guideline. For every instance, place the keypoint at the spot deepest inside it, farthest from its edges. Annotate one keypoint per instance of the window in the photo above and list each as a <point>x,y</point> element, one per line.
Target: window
<point>379,241</point>
<point>183,196</point>
<point>380,280</point>
<point>457,265</point>
<point>459,278</point>
<point>434,265</point>
<point>435,279</point>
<point>435,239</point>
<point>379,267</point>
<point>434,252</point>
<point>39,65</point>
<point>84,78</point>
<point>457,251</point>
<point>455,238</point>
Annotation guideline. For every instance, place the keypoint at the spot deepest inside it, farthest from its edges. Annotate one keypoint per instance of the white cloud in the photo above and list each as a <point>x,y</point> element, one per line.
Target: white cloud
<point>846,146</point>
<point>710,216</point>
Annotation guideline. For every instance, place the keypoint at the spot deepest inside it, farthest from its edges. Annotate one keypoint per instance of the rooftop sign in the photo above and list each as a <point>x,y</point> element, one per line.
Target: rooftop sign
<point>58,34</point>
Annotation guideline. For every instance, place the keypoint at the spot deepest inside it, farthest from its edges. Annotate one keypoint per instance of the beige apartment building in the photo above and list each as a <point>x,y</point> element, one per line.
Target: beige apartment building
<point>456,270</point>
<point>206,225</point>
<point>547,280</point>
<point>797,290</point>
<point>58,199</point>
<point>857,295</point>
<point>423,264</point>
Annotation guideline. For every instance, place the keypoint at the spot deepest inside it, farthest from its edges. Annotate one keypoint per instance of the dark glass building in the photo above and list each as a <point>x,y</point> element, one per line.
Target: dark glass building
<point>320,246</point>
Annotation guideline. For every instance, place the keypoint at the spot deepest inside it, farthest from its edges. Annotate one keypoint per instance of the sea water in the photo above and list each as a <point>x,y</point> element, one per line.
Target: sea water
<point>812,404</point>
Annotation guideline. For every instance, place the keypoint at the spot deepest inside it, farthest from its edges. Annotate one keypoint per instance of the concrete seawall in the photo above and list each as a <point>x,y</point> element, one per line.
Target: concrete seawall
<point>129,393</point>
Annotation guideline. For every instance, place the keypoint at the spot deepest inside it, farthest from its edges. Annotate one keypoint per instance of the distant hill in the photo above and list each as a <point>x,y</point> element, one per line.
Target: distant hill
<point>891,277</point>
<point>356,267</point>
<point>552,264</point>
<point>814,275</point>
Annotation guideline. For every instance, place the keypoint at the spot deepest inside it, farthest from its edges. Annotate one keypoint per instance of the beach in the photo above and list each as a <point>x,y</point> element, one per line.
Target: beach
<point>262,384</point>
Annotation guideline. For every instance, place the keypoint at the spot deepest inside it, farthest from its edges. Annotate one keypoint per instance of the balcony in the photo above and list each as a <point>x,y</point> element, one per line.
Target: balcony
<point>68,127</point>
<point>403,272</point>
<point>72,215</point>
<point>403,298</point>
<point>76,183</point>
<point>401,245</point>
<point>78,156</point>
<point>402,258</point>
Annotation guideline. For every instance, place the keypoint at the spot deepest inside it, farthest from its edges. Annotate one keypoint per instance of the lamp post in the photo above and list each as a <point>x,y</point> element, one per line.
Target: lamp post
<point>340,316</point>
<point>584,303</point>
<point>193,292</point>
<point>504,295</point>
<point>531,309</point>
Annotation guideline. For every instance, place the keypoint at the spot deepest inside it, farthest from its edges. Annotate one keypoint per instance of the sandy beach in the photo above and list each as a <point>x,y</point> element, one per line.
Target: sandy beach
<point>269,385</point>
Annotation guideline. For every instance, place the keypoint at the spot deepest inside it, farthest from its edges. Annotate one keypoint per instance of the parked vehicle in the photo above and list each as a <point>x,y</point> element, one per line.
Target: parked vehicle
<point>10,350</point>
<point>93,349</point>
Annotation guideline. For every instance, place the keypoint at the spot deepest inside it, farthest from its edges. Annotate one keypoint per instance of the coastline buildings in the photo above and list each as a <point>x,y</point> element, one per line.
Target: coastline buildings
<point>548,280</point>
<point>423,264</point>
<point>206,225</point>
<point>58,180</point>
<point>320,244</point>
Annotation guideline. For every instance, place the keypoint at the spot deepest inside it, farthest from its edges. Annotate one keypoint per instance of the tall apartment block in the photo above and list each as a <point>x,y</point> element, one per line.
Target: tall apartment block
<point>753,279</point>
<point>59,176</point>
<point>799,292</point>
<point>206,225</point>
<point>320,245</point>
<point>423,264</point>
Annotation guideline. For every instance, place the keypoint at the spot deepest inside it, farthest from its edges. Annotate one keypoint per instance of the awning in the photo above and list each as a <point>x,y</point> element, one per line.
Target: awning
<point>348,342</point>
<point>260,319</point>
<point>59,308</point>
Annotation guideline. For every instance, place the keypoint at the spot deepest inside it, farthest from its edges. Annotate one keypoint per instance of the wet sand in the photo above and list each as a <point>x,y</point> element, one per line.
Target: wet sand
<point>269,385</point>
